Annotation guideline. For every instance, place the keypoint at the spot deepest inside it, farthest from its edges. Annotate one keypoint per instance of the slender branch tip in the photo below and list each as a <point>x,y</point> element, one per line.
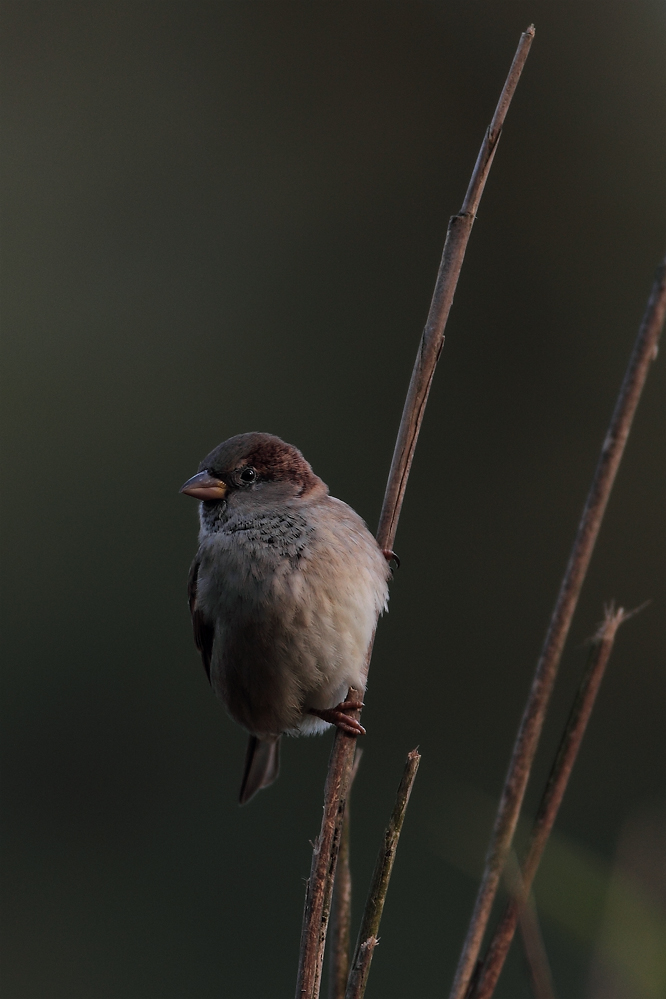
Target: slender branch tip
<point>614,618</point>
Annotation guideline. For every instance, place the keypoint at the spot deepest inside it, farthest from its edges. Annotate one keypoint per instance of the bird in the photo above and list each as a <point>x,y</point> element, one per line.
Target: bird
<point>285,592</point>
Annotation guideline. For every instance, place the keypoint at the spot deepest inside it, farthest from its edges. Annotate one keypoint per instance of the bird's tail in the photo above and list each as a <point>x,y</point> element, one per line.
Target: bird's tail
<point>262,766</point>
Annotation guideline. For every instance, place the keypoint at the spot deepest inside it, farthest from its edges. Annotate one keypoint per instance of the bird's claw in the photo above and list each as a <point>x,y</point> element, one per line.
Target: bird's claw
<point>338,716</point>
<point>391,556</point>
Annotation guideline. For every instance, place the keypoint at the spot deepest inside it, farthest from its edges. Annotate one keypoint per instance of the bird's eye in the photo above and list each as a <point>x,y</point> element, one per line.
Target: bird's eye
<point>248,475</point>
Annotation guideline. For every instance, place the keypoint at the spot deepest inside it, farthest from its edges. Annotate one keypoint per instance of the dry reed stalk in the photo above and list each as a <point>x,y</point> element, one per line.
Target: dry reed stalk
<point>340,931</point>
<point>325,851</point>
<point>644,352</point>
<point>601,648</point>
<point>374,906</point>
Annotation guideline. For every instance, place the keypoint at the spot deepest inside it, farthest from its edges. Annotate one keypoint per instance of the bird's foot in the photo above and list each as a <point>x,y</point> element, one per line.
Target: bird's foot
<point>391,556</point>
<point>338,716</point>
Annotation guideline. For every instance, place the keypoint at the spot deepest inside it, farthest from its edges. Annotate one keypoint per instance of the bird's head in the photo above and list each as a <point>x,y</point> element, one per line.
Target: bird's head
<point>252,467</point>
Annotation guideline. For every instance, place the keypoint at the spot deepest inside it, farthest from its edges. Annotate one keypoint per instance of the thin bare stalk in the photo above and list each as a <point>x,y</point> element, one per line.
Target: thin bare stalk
<point>601,648</point>
<point>374,905</point>
<point>533,945</point>
<point>644,352</point>
<point>324,855</point>
<point>361,966</point>
<point>432,340</point>
<point>340,931</point>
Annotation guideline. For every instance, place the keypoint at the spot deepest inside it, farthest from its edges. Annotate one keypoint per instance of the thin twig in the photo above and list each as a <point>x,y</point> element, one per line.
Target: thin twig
<point>602,645</point>
<point>324,856</point>
<point>340,931</point>
<point>374,906</point>
<point>432,341</point>
<point>644,352</point>
<point>533,945</point>
<point>361,967</point>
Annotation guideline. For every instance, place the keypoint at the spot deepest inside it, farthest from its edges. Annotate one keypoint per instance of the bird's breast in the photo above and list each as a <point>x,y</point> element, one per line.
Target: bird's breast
<point>251,563</point>
<point>294,598</point>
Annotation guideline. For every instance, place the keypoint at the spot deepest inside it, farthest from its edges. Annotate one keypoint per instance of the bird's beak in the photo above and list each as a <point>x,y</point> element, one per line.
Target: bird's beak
<point>204,486</point>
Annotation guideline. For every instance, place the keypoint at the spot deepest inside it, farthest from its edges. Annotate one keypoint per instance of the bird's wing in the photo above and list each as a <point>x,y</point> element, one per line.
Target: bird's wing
<point>203,630</point>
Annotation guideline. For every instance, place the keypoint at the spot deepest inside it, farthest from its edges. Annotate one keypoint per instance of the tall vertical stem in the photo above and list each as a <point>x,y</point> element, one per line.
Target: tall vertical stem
<point>325,852</point>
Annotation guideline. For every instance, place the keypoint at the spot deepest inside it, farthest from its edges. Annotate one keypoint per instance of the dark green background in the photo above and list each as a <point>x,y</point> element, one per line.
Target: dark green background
<point>222,217</point>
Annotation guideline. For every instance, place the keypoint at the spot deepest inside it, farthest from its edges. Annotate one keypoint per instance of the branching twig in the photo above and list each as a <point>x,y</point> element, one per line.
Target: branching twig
<point>602,645</point>
<point>340,932</point>
<point>324,857</point>
<point>374,905</point>
<point>644,352</point>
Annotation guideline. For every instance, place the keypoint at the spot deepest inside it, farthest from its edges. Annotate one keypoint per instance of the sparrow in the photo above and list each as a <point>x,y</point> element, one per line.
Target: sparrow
<point>284,592</point>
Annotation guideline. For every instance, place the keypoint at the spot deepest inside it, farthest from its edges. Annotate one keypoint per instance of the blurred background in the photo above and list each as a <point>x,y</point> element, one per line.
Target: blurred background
<point>228,216</point>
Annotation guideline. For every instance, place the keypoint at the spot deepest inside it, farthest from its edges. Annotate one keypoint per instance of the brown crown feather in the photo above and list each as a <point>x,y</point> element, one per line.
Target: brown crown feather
<point>272,457</point>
